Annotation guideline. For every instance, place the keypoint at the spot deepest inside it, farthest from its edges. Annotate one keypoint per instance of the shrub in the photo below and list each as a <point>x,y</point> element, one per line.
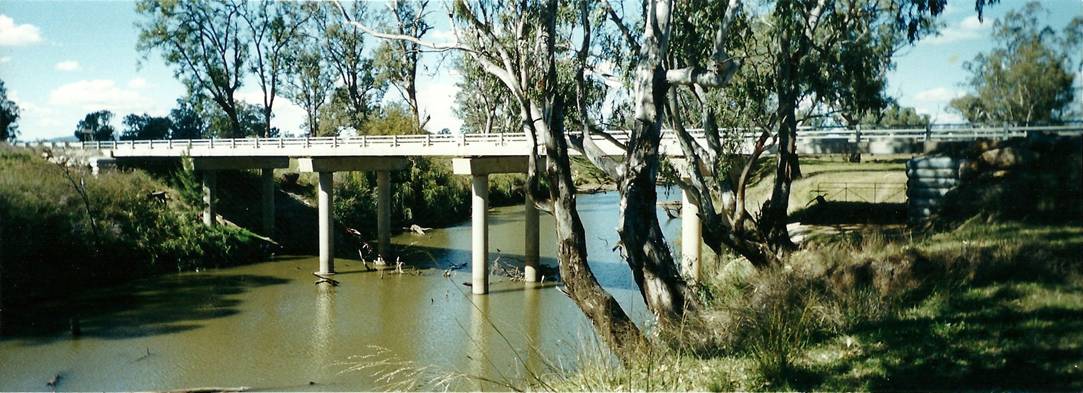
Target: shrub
<point>48,230</point>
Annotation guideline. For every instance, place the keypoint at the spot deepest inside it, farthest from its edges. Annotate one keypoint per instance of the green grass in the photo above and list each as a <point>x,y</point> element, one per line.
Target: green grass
<point>839,179</point>
<point>987,305</point>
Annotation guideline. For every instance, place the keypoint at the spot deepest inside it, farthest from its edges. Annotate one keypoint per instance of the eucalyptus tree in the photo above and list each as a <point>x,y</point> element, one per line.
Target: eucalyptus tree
<point>397,60</point>
<point>518,45</point>
<point>480,102</point>
<point>271,26</point>
<point>1028,77</point>
<point>358,93</point>
<point>205,43</point>
<point>310,80</point>
<point>767,67</point>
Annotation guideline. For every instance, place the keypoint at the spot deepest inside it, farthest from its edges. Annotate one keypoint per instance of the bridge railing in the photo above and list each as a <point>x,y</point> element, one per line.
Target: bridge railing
<point>422,140</point>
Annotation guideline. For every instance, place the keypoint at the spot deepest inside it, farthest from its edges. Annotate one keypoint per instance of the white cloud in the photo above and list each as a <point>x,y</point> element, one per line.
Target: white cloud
<point>137,83</point>
<point>12,34</point>
<point>935,103</point>
<point>969,28</point>
<point>5,59</point>
<point>101,94</point>
<point>441,36</point>
<point>67,65</point>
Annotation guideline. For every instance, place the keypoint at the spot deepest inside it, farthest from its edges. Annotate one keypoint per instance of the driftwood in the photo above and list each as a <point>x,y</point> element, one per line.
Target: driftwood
<point>209,389</point>
<point>325,280</point>
<point>55,380</point>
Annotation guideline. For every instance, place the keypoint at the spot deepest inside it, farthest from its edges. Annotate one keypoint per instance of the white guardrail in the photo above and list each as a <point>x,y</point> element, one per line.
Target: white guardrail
<point>507,143</point>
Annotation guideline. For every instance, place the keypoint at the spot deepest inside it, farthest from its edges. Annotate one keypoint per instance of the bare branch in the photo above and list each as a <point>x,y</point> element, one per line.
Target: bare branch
<point>624,30</point>
<point>401,37</point>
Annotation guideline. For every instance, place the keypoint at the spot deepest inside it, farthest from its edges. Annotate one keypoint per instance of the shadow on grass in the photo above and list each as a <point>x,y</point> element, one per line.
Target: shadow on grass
<point>146,307</point>
<point>994,337</point>
<point>838,213</point>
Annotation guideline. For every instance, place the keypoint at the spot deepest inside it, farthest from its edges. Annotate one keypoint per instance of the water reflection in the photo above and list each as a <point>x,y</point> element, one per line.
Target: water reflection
<point>323,337</point>
<point>479,352</point>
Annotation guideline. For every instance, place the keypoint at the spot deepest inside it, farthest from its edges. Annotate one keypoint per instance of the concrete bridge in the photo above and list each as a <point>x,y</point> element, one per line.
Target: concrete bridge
<point>474,155</point>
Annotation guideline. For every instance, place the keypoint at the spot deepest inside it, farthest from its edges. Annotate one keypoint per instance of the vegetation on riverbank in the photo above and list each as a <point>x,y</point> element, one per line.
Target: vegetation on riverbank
<point>64,230</point>
<point>985,305</point>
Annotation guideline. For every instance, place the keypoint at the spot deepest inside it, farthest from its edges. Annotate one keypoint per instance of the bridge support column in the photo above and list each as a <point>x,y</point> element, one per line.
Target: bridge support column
<point>691,230</point>
<point>530,221</point>
<point>267,183</point>
<point>383,214</point>
<point>210,197</point>
<point>327,238</point>
<point>326,167</point>
<point>479,225</point>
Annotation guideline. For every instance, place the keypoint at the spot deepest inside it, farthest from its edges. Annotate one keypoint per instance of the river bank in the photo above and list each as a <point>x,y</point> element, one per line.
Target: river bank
<point>63,230</point>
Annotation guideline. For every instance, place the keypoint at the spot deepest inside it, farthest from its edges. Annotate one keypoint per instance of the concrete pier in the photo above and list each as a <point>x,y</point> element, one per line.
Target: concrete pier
<point>210,197</point>
<point>327,238</point>
<point>479,168</point>
<point>267,184</point>
<point>383,214</point>
<point>530,221</point>
<point>210,167</point>
<point>691,230</point>
<point>479,229</point>
<point>326,167</point>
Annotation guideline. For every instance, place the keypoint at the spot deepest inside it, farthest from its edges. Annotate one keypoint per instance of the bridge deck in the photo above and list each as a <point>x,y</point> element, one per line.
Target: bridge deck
<point>509,144</point>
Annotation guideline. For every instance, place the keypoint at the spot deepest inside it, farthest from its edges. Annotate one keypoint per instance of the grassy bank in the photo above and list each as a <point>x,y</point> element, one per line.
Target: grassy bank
<point>984,306</point>
<point>64,230</point>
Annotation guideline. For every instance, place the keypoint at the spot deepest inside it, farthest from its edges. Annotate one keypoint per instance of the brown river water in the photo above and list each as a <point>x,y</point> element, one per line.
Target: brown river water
<point>267,327</point>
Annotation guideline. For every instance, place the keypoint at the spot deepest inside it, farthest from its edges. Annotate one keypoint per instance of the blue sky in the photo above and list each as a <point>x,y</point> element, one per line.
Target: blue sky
<point>62,59</point>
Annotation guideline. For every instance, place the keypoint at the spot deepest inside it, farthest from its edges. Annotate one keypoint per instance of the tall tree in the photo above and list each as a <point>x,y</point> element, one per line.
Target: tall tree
<point>143,127</point>
<point>480,101</point>
<point>358,93</point>
<point>397,60</point>
<point>95,126</point>
<point>517,44</point>
<point>205,43</point>
<point>186,119</point>
<point>272,26</point>
<point>310,81</point>
<point>1028,77</point>
<point>9,115</point>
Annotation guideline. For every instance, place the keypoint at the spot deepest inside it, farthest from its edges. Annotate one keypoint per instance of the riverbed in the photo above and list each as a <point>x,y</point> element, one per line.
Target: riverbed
<point>266,326</point>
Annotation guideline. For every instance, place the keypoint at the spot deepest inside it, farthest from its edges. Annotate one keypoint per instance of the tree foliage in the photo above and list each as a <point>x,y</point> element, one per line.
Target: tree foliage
<point>186,119</point>
<point>9,115</point>
<point>205,43</point>
<point>143,127</point>
<point>358,93</point>
<point>397,61</point>
<point>1028,77</point>
<point>95,126</point>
